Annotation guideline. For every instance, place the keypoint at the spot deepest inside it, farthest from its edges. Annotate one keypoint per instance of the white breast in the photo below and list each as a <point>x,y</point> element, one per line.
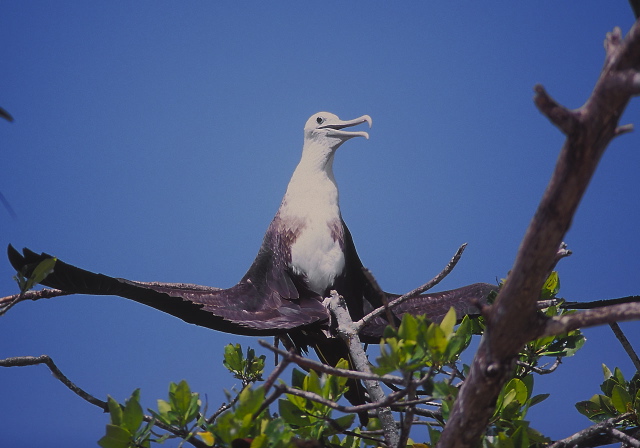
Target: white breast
<point>312,201</point>
<point>317,255</point>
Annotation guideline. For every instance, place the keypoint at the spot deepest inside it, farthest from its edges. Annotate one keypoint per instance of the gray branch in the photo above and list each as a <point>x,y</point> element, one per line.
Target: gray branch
<point>348,332</point>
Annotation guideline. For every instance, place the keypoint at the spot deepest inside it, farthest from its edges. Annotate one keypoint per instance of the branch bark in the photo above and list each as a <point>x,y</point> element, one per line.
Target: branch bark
<point>512,320</point>
<point>349,333</point>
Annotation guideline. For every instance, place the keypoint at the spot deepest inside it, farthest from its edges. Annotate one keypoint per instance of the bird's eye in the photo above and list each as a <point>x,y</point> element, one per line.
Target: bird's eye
<point>320,120</point>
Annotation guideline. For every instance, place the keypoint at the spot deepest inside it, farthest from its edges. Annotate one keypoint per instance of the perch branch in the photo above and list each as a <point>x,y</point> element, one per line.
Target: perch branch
<point>348,332</point>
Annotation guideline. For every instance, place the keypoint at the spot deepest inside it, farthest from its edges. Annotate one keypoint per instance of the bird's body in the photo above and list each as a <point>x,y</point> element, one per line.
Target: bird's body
<point>306,252</point>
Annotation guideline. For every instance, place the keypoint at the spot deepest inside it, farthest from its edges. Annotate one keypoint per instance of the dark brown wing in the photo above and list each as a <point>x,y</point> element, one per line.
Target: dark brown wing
<point>464,300</point>
<point>248,308</point>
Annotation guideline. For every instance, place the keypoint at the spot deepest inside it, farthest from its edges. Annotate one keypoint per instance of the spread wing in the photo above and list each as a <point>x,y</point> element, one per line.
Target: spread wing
<point>248,308</point>
<point>465,301</point>
<point>362,297</point>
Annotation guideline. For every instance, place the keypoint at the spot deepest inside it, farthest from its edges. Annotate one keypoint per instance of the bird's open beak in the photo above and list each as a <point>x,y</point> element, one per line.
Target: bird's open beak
<point>337,127</point>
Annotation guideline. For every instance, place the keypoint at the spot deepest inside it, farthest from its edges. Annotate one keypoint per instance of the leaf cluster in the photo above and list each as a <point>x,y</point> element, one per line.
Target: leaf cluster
<point>410,348</point>
<point>313,419</point>
<point>620,400</point>
<point>249,369</point>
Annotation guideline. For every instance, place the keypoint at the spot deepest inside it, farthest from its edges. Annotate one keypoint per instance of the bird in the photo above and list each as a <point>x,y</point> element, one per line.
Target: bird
<point>307,251</point>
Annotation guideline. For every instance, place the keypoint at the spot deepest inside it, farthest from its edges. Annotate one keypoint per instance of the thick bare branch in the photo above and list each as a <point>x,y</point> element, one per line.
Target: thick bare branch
<point>513,320</point>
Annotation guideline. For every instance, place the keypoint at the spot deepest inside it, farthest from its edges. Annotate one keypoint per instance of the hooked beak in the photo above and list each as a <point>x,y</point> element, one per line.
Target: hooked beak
<point>337,127</point>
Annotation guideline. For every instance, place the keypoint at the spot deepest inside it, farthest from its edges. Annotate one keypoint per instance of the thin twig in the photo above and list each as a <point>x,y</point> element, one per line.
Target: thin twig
<point>541,370</point>
<point>625,344</point>
<point>383,296</point>
<point>411,294</point>
<point>587,433</point>
<point>22,361</point>
<point>323,368</point>
<point>273,376</point>
<point>6,303</point>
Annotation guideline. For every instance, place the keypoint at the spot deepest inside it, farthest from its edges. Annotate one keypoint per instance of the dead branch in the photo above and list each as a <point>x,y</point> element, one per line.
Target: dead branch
<point>22,361</point>
<point>6,303</point>
<point>323,368</point>
<point>513,320</point>
<point>419,290</point>
<point>625,344</point>
<point>590,433</point>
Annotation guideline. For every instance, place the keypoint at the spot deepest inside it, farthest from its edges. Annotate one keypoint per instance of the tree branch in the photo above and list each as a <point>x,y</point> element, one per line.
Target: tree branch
<point>513,319</point>
<point>419,290</point>
<point>625,344</point>
<point>6,303</point>
<point>348,332</point>
<point>589,433</point>
<point>324,368</point>
<point>590,318</point>
<point>22,361</point>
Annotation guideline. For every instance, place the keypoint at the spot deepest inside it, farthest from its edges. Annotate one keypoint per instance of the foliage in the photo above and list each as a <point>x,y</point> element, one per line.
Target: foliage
<point>425,354</point>
<point>620,400</point>
<point>247,369</point>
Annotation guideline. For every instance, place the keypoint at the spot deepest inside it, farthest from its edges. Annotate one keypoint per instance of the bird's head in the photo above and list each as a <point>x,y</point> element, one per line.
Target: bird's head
<point>327,129</point>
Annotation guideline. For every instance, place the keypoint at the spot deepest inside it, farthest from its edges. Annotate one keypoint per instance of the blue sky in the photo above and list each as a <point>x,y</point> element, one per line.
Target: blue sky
<point>154,141</point>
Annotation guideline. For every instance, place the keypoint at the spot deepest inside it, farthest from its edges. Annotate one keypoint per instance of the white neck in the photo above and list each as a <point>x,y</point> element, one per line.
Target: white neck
<point>312,190</point>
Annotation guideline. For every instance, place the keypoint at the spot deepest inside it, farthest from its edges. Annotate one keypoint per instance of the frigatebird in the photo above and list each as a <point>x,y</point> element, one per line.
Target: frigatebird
<point>306,252</point>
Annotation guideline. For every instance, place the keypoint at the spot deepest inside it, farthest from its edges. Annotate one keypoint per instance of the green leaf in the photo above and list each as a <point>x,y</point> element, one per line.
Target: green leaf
<point>408,329</point>
<point>621,399</point>
<point>292,413</point>
<point>115,411</point>
<point>551,286</point>
<point>340,424</point>
<point>617,374</point>
<point>133,416</point>
<point>538,399</point>
<point>249,401</point>
<point>588,408</point>
<point>297,378</point>
<point>436,339</point>
<point>311,383</point>
<point>520,437</point>
<point>233,358</point>
<point>116,437</point>
<point>598,408</point>
<point>183,403</point>
<point>448,322</point>
<point>520,392</point>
